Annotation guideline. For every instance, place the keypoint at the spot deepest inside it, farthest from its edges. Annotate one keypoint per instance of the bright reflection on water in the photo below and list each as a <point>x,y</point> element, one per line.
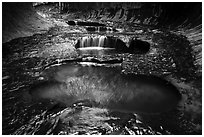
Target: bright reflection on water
<point>106,87</point>
<point>96,51</point>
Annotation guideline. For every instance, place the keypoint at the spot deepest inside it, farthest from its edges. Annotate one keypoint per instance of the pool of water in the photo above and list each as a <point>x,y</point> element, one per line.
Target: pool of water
<point>106,87</point>
<point>97,93</point>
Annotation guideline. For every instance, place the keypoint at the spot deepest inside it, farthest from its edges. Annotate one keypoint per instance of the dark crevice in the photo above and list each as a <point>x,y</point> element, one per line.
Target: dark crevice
<point>139,46</point>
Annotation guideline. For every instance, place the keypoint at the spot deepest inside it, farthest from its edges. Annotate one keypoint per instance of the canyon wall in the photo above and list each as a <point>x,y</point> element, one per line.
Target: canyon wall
<point>20,19</point>
<point>181,18</point>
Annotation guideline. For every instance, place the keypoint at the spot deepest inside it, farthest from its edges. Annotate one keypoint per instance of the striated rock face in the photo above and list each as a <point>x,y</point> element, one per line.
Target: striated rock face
<point>41,94</point>
<point>160,14</point>
<point>179,18</point>
<point>20,20</point>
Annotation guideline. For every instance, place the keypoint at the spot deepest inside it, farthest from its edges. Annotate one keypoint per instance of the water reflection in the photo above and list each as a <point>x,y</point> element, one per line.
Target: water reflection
<point>106,87</point>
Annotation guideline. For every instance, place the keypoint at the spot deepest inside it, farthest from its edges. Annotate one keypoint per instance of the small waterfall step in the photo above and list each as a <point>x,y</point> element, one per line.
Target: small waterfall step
<point>101,42</point>
<point>84,23</point>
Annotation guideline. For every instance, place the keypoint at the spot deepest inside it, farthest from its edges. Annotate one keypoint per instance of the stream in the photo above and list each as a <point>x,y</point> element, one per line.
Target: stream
<point>95,83</point>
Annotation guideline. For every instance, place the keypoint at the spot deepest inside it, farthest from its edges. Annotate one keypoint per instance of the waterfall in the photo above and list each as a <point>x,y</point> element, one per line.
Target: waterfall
<point>89,44</point>
<point>95,41</point>
<point>84,42</point>
<point>101,41</point>
<point>81,42</point>
<point>98,29</point>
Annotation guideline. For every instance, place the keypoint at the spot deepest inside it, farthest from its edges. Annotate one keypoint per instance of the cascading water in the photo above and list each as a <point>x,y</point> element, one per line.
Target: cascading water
<point>99,45</point>
<point>93,41</point>
<point>102,41</point>
<point>100,29</point>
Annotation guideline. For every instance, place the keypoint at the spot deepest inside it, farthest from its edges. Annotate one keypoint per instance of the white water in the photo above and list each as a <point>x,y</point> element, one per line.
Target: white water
<point>95,48</point>
<point>96,41</point>
<point>101,41</point>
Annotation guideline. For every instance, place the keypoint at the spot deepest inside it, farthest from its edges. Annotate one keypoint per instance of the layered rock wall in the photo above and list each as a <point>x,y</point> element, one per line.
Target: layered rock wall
<point>20,19</point>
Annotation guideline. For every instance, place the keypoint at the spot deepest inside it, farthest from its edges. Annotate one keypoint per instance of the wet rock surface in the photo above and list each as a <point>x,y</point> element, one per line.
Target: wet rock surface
<point>170,57</point>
